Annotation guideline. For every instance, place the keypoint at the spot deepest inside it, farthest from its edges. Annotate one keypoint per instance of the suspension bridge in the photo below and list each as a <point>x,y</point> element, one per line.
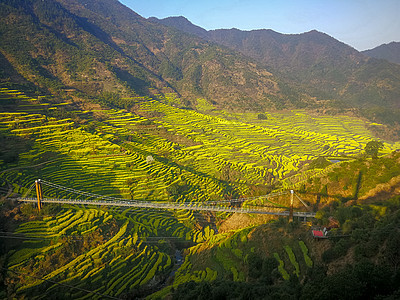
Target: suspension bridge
<point>231,206</point>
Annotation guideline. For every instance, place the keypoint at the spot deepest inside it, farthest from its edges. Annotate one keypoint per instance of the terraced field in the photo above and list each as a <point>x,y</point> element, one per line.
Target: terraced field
<point>260,151</point>
<point>157,152</point>
<point>216,155</point>
<point>106,266</point>
<point>228,255</point>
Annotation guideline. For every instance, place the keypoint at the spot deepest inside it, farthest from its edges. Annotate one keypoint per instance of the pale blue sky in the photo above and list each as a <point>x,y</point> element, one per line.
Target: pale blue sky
<point>362,24</point>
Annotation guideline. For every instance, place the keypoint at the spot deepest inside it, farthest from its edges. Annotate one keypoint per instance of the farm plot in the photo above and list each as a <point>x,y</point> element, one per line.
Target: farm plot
<point>168,166</point>
<point>193,156</point>
<point>277,146</point>
<point>226,255</point>
<point>111,251</point>
<point>19,102</point>
<point>111,257</point>
<point>294,260</point>
<point>92,162</point>
<point>233,255</point>
<point>162,153</point>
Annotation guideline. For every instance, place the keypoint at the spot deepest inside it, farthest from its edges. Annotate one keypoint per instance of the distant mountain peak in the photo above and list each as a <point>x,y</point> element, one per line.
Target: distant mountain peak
<point>390,52</point>
<point>178,18</point>
<point>181,23</point>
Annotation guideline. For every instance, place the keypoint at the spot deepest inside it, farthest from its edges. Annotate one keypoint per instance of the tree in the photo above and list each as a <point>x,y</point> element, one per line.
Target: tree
<point>320,163</point>
<point>372,148</point>
<point>262,117</point>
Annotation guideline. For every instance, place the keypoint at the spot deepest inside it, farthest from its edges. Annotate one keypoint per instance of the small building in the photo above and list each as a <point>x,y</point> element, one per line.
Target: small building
<point>320,234</point>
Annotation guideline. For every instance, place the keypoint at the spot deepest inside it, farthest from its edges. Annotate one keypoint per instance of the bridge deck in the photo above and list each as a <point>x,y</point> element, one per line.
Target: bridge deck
<point>169,205</point>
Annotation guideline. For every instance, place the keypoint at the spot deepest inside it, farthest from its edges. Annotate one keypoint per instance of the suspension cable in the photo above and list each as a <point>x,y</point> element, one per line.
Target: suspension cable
<point>96,196</point>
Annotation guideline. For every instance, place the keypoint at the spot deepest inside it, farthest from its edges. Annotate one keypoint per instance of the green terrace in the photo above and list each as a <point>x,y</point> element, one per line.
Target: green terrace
<point>105,267</point>
<point>159,152</point>
<point>163,152</point>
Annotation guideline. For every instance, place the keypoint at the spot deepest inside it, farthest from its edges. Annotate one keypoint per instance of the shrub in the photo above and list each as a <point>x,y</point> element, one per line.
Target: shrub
<point>262,117</point>
<point>307,259</point>
<point>293,260</point>
<point>281,268</point>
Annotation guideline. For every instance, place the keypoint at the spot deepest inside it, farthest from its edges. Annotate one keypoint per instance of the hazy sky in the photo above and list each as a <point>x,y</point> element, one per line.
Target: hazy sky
<point>362,24</point>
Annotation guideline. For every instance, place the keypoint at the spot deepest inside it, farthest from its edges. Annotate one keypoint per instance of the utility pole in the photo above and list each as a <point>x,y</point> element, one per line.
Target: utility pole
<point>39,193</point>
<point>291,206</point>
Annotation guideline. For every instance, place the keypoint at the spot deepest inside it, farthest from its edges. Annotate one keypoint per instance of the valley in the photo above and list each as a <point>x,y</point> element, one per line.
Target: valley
<point>102,104</point>
<point>160,151</point>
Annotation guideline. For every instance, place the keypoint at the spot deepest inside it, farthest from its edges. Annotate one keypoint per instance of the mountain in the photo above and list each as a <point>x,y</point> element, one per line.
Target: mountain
<point>98,48</point>
<point>55,49</point>
<point>316,64</point>
<point>390,52</point>
<point>103,51</point>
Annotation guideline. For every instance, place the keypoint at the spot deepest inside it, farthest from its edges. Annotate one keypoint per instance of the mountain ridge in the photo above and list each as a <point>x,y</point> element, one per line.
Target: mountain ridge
<point>102,49</point>
<point>316,64</point>
<point>390,52</point>
<point>99,47</point>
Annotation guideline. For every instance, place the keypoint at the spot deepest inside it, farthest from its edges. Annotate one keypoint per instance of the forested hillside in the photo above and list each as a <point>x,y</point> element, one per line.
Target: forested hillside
<point>103,50</point>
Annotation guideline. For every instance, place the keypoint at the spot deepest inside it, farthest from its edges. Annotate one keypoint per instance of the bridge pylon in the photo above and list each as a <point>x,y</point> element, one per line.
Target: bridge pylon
<point>39,193</point>
<point>291,206</point>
